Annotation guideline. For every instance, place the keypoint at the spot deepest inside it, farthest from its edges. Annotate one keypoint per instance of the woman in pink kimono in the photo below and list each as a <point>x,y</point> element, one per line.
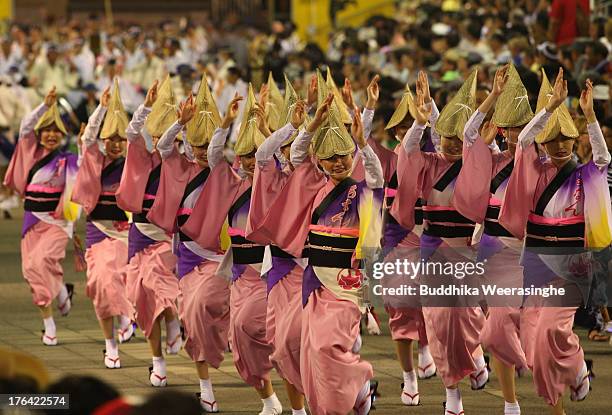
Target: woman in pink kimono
<point>342,220</point>
<point>204,306</point>
<point>405,318</point>
<point>42,173</point>
<point>488,179</point>
<point>283,271</point>
<point>226,197</point>
<point>452,327</point>
<point>560,209</point>
<point>107,225</point>
<point>151,285</point>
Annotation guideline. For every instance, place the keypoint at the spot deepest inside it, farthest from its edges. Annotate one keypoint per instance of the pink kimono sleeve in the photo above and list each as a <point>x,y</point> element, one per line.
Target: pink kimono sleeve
<point>210,210</point>
<point>88,185</point>
<point>520,192</point>
<point>267,186</point>
<point>138,166</point>
<point>287,221</point>
<point>27,152</point>
<point>175,174</point>
<point>472,188</point>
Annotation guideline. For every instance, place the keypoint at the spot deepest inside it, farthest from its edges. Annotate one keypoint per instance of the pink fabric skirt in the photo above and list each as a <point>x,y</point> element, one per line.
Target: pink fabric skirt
<point>500,336</point>
<point>284,326</point>
<point>552,349</point>
<point>205,313</point>
<point>406,323</point>
<point>332,375</point>
<point>250,346</point>
<point>151,284</point>
<point>106,264</point>
<point>43,248</point>
<point>501,331</point>
<point>454,336</point>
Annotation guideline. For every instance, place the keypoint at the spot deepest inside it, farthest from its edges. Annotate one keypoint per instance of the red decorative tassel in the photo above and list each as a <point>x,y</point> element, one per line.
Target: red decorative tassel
<point>79,254</point>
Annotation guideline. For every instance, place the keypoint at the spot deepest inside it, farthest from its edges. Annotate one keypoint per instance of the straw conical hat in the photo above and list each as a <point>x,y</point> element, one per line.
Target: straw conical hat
<point>163,111</point>
<point>459,109</point>
<point>50,117</point>
<point>560,121</point>
<point>406,106</point>
<point>249,136</point>
<point>332,138</point>
<point>275,104</point>
<point>116,119</point>
<point>206,120</point>
<point>345,114</point>
<point>512,108</point>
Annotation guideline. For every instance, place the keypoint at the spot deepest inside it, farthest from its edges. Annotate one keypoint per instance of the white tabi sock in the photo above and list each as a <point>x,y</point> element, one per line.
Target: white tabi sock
<point>63,301</point>
<point>112,350</point>
<point>512,408</point>
<point>159,366</point>
<point>207,397</point>
<point>271,405</point>
<point>410,392</point>
<point>49,327</point>
<point>298,412</point>
<point>173,336</point>
<point>363,401</point>
<point>453,401</point>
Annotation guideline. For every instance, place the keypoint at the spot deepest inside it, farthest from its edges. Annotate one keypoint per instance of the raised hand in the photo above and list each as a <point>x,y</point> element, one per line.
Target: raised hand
<point>373,92</point>
<point>586,102</point>
<point>488,132</point>
<point>499,82</point>
<point>423,85</point>
<point>264,95</point>
<point>262,122</point>
<point>347,94</point>
<point>321,114</point>
<point>105,97</point>
<point>559,92</point>
<point>51,97</point>
<point>357,129</point>
<point>186,110</point>
<point>151,95</point>
<point>299,114</point>
<point>232,111</point>
<point>423,110</point>
<point>312,90</point>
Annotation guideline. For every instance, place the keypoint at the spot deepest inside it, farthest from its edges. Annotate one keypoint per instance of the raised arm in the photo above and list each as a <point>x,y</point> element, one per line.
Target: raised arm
<point>92,129</point>
<point>186,111</point>
<point>412,139</point>
<point>29,121</point>
<point>90,135</point>
<point>374,175</point>
<point>367,116</point>
<point>299,147</point>
<point>165,145</point>
<point>134,129</point>
<point>217,143</point>
<point>273,143</point>
<point>601,156</point>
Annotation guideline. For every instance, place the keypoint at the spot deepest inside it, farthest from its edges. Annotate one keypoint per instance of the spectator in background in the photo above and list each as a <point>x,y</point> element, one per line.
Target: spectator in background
<point>83,59</point>
<point>569,19</point>
<point>52,70</point>
<point>88,104</point>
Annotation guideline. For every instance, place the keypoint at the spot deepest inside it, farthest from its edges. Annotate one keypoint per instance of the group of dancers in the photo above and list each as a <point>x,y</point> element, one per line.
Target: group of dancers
<point>267,254</point>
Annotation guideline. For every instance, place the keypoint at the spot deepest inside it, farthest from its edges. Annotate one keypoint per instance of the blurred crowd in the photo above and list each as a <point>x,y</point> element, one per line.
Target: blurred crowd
<point>25,374</point>
<point>447,38</point>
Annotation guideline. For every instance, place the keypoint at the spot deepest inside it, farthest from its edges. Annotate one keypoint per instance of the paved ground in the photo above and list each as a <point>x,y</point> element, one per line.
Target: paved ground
<point>81,344</point>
